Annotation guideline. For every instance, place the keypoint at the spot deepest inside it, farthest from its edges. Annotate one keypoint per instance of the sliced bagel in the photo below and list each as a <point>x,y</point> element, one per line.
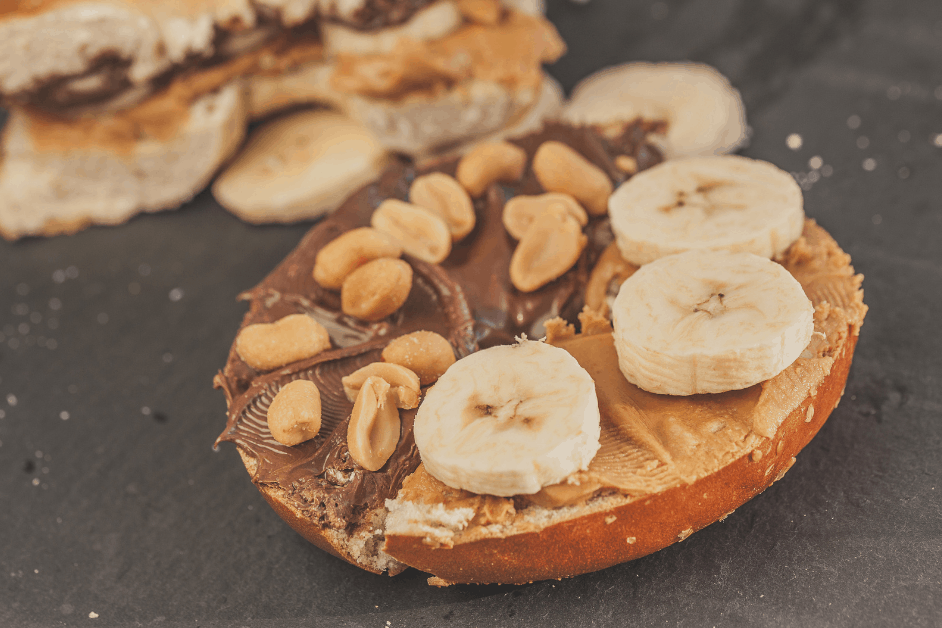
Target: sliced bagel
<point>59,176</point>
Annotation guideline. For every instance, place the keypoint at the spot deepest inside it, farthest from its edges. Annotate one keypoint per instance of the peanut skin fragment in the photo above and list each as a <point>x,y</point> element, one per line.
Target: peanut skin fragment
<point>377,289</point>
<point>425,353</point>
<point>344,254</point>
<point>294,415</point>
<point>559,168</point>
<point>267,346</point>
<point>489,163</point>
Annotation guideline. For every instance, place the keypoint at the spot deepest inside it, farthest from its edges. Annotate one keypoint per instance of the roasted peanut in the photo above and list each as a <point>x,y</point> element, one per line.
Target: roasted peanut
<point>521,211</point>
<point>445,196</point>
<point>344,254</point>
<point>425,353</point>
<point>294,415</point>
<point>404,383</point>
<point>488,163</point>
<point>550,247</point>
<point>373,431</point>
<point>421,232</point>
<point>611,268</point>
<point>485,12</point>
<point>626,164</point>
<point>559,168</point>
<point>376,289</point>
<point>266,346</point>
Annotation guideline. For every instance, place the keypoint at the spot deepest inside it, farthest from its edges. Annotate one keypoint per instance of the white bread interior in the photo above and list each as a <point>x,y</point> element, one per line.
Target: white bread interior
<point>422,125</point>
<point>43,192</point>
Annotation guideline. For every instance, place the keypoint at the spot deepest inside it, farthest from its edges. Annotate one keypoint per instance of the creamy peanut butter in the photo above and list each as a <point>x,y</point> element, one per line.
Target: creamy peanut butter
<point>651,442</point>
<point>509,53</point>
<point>162,115</point>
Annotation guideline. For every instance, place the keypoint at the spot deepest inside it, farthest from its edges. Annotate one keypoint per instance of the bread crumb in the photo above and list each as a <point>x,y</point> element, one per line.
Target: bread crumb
<point>435,581</point>
<point>610,519</point>
<point>810,414</point>
<point>631,540</point>
<point>685,533</point>
<point>756,455</point>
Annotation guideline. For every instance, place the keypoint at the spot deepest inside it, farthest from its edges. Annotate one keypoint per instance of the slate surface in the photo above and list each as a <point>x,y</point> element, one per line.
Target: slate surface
<point>112,502</point>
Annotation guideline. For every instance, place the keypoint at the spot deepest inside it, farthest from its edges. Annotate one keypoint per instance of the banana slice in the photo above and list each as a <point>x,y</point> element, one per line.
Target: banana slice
<point>703,112</point>
<point>708,322</point>
<point>509,420</point>
<point>299,166</point>
<point>718,203</point>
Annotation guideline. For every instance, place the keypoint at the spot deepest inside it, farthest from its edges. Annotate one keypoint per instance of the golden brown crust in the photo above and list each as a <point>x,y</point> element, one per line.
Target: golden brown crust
<point>596,541</point>
<point>328,540</point>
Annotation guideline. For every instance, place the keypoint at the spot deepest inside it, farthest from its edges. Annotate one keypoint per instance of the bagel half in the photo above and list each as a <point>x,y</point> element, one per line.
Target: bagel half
<point>412,519</point>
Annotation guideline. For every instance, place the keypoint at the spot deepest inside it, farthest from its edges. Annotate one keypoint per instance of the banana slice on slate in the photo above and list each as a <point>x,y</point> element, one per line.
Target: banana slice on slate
<point>716,203</point>
<point>299,167</point>
<point>708,322</point>
<point>509,420</point>
<point>703,112</point>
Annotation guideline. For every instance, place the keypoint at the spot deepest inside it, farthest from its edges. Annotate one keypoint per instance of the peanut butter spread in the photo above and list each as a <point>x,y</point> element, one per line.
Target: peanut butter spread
<point>650,442</point>
<point>509,53</point>
<point>164,114</point>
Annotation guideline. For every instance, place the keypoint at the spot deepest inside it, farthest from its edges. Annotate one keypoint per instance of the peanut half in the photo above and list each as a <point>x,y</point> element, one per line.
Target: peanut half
<point>376,289</point>
<point>444,195</point>
<point>421,232</point>
<point>488,163</point>
<point>344,254</point>
<point>550,247</point>
<point>521,211</point>
<point>373,431</point>
<point>404,383</point>
<point>425,353</point>
<point>559,168</point>
<point>267,346</point>
<point>294,415</point>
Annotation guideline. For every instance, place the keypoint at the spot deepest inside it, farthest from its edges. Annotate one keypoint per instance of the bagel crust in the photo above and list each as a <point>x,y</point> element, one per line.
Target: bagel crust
<point>595,540</point>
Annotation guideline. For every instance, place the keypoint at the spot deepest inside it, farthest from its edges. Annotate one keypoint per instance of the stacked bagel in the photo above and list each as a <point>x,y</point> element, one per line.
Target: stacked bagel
<point>134,106</point>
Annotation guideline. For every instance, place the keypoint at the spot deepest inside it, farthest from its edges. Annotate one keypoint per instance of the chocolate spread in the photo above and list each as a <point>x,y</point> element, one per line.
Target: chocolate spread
<point>105,81</point>
<point>469,300</point>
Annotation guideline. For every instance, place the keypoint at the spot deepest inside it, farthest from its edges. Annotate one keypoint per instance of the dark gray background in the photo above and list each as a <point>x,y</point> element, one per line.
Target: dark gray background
<point>113,502</point>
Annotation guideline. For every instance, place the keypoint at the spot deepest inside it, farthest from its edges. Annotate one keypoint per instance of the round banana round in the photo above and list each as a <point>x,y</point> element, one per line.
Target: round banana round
<point>703,112</point>
<point>709,322</point>
<point>299,167</point>
<point>509,420</point>
<point>727,202</point>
